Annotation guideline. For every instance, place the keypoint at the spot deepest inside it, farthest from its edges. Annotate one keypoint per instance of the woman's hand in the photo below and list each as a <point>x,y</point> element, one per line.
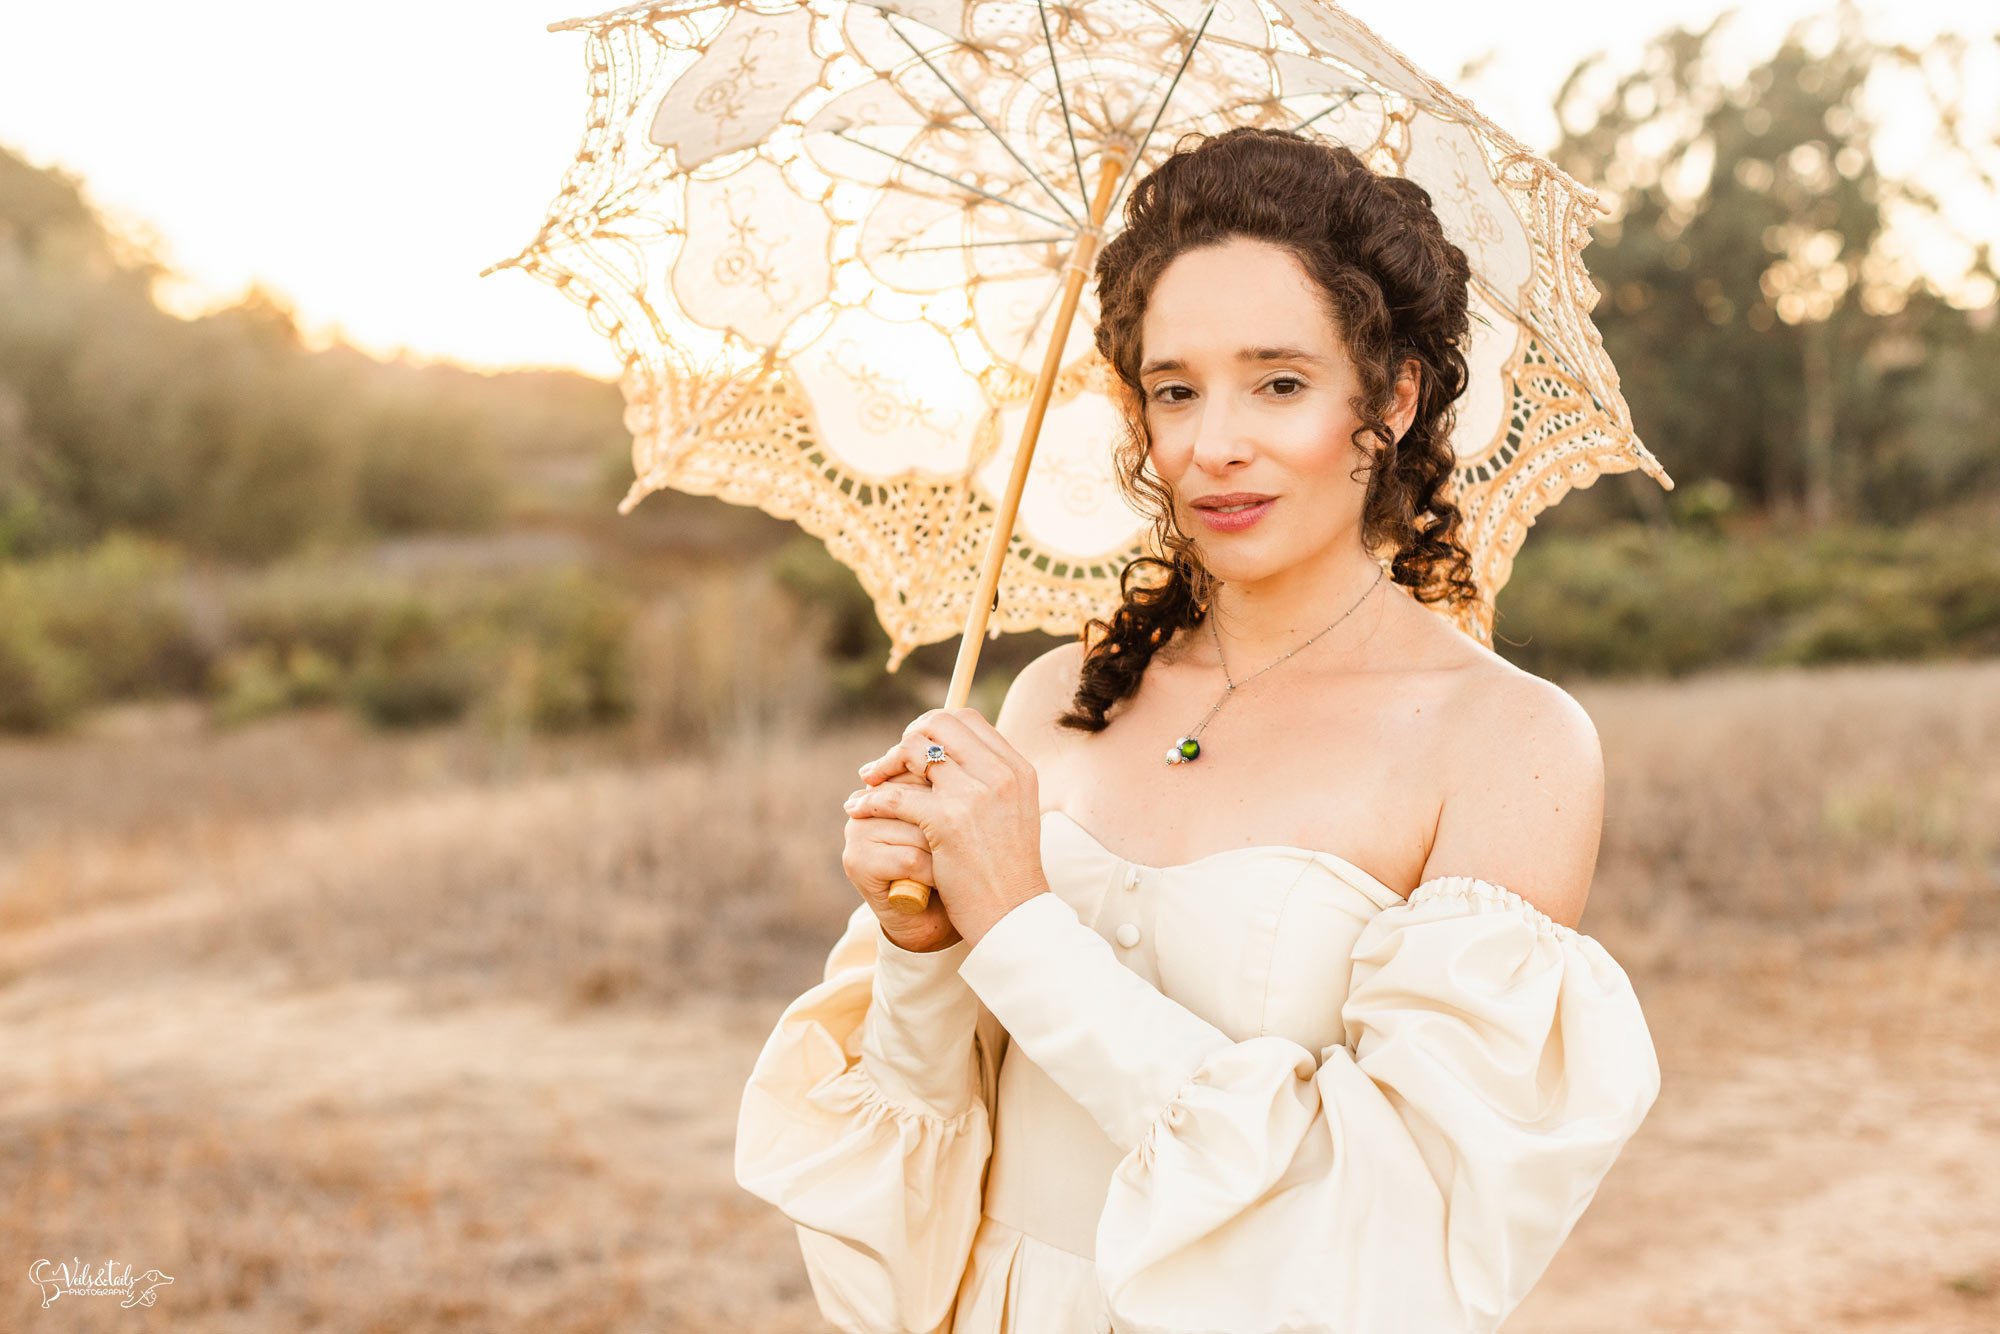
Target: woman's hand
<point>980,814</point>
<point>881,849</point>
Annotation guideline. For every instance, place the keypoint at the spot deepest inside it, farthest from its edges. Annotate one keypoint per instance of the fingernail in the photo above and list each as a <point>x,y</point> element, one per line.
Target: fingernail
<point>851,802</point>
<point>863,770</point>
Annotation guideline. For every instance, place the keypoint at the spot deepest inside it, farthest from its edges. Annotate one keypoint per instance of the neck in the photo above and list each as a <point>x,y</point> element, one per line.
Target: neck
<point>1259,621</point>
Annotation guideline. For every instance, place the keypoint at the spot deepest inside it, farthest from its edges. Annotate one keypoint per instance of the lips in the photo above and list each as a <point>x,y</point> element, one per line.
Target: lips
<point>1223,521</point>
<point>1233,498</point>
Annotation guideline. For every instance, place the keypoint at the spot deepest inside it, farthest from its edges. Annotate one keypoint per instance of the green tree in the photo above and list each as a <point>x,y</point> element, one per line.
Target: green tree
<point>1759,298</point>
<point>224,434</point>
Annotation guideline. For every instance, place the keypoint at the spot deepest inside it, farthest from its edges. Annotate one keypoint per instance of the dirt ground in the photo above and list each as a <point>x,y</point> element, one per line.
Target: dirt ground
<point>359,1033</point>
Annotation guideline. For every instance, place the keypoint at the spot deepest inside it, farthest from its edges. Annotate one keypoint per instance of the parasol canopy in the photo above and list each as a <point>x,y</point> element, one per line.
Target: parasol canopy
<point>840,249</point>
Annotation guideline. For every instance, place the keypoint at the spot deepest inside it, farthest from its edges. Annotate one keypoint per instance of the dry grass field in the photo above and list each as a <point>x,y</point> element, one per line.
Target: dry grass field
<point>364,1033</point>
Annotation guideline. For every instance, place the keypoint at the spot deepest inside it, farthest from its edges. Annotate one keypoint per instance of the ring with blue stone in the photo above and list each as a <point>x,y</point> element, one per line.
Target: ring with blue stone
<point>932,754</point>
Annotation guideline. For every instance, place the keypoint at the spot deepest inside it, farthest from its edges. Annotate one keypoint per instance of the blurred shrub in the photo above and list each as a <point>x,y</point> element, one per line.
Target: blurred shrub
<point>416,669</point>
<point>543,649</point>
<point>260,679</point>
<point>1701,506</point>
<point>557,646</point>
<point>118,605</point>
<point>1629,600</point>
<point>423,465</point>
<point>106,622</point>
<point>331,605</point>
<point>1639,601</point>
<point>130,618</point>
<point>42,687</point>
<point>857,647</point>
<point>730,653</point>
<point>1861,594</point>
<point>225,434</point>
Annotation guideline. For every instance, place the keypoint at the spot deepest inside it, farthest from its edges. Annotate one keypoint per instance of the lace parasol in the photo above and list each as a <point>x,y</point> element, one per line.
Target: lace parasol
<point>840,247</point>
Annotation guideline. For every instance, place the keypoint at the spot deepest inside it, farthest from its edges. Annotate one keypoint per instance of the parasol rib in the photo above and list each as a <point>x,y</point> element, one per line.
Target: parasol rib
<point>1062,99</point>
<point>1139,153</point>
<point>1271,101</point>
<point>1352,93</point>
<point>998,137</point>
<point>973,245</point>
<point>911,162</point>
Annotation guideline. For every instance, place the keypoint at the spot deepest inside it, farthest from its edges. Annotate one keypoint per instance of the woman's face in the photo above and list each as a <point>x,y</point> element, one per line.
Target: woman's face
<point>1247,386</point>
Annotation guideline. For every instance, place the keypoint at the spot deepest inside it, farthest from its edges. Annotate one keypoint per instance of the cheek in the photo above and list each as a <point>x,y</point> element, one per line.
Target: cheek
<point>1344,447</point>
<point>1319,450</point>
<point>1326,466</point>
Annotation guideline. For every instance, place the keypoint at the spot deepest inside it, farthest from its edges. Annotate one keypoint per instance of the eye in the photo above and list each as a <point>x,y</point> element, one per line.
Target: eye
<point>1298,386</point>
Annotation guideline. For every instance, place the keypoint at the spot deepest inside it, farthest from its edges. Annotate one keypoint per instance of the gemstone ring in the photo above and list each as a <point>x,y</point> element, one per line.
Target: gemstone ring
<point>932,754</point>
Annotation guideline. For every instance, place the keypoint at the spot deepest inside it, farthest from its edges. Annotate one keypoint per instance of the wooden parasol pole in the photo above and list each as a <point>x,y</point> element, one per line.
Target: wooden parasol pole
<point>913,896</point>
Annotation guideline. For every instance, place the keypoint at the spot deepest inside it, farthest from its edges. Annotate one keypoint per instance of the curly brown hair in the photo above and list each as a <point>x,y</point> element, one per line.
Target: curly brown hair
<point>1397,290</point>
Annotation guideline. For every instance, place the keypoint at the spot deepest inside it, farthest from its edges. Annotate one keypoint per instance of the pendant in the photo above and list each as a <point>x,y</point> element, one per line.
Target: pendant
<point>1184,751</point>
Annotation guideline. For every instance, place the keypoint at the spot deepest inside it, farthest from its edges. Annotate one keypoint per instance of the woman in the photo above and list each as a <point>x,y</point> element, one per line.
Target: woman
<point>1294,1031</point>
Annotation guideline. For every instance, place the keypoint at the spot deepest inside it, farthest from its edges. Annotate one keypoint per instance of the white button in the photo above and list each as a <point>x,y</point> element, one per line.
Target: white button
<point>1128,934</point>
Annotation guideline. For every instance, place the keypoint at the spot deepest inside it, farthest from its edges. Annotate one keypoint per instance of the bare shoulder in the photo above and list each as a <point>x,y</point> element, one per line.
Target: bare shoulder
<point>1524,789</point>
<point>1039,693</point>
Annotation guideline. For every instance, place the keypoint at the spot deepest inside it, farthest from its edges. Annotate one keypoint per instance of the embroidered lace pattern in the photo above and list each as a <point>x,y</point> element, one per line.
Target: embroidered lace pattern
<point>827,243</point>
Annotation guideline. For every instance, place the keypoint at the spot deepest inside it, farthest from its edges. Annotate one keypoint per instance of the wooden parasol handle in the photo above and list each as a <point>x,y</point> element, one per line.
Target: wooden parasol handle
<point>913,896</point>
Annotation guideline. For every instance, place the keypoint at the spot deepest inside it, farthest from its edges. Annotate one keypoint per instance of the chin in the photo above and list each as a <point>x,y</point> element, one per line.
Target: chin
<point>1237,566</point>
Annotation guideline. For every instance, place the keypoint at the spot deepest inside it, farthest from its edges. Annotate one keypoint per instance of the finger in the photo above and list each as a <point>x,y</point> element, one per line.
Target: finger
<point>884,766</point>
<point>990,737</point>
<point>901,757</point>
<point>890,829</point>
<point>898,774</point>
<point>943,726</point>
<point>887,850</point>
<point>963,747</point>
<point>903,801</point>
<point>912,863</point>
<point>907,755</point>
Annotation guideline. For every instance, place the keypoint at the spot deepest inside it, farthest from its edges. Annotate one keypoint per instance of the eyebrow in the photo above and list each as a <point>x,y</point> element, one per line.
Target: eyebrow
<point>1247,354</point>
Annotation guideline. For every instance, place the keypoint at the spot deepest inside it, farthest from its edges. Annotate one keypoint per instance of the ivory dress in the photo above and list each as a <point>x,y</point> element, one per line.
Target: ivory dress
<point>1256,1092</point>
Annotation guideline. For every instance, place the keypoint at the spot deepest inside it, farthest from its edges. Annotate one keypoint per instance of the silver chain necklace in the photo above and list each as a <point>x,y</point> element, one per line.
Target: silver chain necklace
<point>1188,748</point>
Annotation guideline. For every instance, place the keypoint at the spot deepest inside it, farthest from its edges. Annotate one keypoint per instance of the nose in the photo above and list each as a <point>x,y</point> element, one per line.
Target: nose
<point>1219,439</point>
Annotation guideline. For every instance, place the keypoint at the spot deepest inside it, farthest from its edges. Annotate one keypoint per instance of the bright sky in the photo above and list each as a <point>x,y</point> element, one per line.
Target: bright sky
<point>366,160</point>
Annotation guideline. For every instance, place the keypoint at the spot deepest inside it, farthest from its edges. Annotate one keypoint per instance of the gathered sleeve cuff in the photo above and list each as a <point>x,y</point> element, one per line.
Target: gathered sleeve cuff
<point>867,1121</point>
<point>1420,1174</point>
<point>917,1041</point>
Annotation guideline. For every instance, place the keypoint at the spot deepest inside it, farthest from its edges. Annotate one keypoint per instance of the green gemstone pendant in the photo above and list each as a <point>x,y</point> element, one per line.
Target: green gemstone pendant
<point>1184,751</point>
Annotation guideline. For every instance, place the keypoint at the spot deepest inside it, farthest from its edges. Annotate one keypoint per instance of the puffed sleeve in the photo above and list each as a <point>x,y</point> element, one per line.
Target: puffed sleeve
<point>1419,1175</point>
<point>867,1121</point>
